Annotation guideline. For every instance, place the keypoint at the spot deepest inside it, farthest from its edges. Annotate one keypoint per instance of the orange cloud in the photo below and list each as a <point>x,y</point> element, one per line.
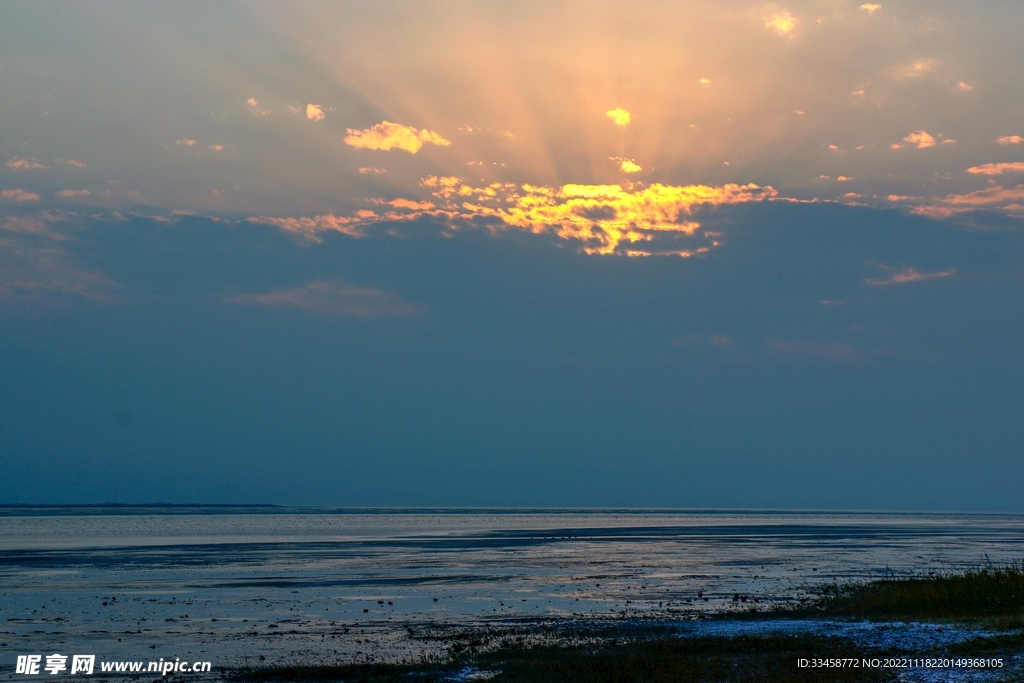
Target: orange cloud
<point>19,196</point>
<point>25,164</point>
<point>996,169</point>
<point>387,135</point>
<point>324,297</point>
<point>1010,140</point>
<point>185,142</point>
<point>74,193</point>
<point>908,275</point>
<point>411,205</point>
<point>964,86</point>
<point>782,23</point>
<point>619,116</point>
<point>627,165</point>
<point>314,112</point>
<point>372,169</point>
<point>920,138</point>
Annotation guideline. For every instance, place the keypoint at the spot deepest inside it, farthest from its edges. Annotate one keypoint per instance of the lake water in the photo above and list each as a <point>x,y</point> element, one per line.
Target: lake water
<point>232,584</point>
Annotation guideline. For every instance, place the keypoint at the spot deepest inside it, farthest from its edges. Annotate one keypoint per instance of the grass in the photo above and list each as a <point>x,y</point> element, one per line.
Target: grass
<point>988,593</point>
<point>656,659</point>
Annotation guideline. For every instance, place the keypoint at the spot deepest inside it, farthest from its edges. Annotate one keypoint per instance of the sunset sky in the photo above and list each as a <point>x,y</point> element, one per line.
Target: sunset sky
<point>477,253</point>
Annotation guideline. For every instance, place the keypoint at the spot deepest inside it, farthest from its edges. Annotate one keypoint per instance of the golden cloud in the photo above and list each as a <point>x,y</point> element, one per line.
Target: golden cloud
<point>870,7</point>
<point>1010,139</point>
<point>387,135</point>
<point>619,116</point>
<point>314,112</point>
<point>627,165</point>
<point>996,169</point>
<point>782,23</point>
<point>19,196</point>
<point>920,138</point>
<point>604,219</point>
<point>600,219</point>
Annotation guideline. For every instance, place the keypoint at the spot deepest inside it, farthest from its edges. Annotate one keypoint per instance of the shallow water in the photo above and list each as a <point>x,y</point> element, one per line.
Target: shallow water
<point>231,584</point>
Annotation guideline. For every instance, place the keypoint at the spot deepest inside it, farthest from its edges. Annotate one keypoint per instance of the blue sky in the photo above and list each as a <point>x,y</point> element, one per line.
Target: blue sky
<point>691,254</point>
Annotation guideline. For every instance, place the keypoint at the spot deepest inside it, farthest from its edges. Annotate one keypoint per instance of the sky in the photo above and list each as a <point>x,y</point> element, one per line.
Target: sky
<point>660,254</point>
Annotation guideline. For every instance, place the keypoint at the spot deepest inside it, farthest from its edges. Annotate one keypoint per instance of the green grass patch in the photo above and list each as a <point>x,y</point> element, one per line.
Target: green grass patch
<point>983,593</point>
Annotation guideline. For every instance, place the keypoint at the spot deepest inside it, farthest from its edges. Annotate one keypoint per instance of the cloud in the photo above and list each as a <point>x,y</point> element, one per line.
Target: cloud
<point>705,81</point>
<point>327,297</point>
<point>257,110</point>
<point>74,193</point>
<point>76,163</point>
<point>619,116</point>
<point>996,169</point>
<point>799,112</point>
<point>915,69</point>
<point>908,275</point>
<point>314,112</point>
<point>805,350</point>
<point>843,179</point>
<point>186,142</point>
<point>412,205</point>
<point>217,148</point>
<point>870,7</point>
<point>372,169</point>
<point>964,86</point>
<point>309,227</point>
<point>25,164</point>
<point>920,138</point>
<point>34,261</point>
<point>782,23</point>
<point>1010,140</point>
<point>991,195</point>
<point>627,165</point>
<point>599,219</point>
<point>603,219</point>
<point>19,196</point>
<point>387,135</point>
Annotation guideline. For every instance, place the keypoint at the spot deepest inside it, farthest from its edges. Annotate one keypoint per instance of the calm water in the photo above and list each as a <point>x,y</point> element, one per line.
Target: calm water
<point>232,584</point>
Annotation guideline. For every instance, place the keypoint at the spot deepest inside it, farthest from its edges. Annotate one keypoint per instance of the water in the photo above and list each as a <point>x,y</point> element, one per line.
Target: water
<point>232,584</point>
